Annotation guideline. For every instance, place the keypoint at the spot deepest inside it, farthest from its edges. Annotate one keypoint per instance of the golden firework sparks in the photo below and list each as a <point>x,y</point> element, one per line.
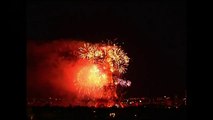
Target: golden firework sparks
<point>108,60</point>
<point>110,54</point>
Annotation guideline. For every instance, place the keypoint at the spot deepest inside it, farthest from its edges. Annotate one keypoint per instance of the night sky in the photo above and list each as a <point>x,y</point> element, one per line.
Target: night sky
<point>154,36</point>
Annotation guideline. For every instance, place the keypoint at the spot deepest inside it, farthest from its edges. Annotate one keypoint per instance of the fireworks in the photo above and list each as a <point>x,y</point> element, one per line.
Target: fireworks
<point>109,55</point>
<point>100,78</point>
<point>91,81</point>
<point>123,83</point>
<point>87,74</point>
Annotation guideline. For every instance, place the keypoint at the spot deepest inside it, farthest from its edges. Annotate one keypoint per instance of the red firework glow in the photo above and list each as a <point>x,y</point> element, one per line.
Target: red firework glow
<point>76,70</point>
<point>89,80</point>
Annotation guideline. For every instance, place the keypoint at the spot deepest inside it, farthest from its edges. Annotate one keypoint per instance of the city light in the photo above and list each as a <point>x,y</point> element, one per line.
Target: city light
<point>112,115</point>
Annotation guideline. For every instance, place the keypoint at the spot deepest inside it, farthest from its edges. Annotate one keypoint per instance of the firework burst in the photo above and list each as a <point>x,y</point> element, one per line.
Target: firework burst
<point>85,74</point>
<point>110,55</point>
<point>100,78</point>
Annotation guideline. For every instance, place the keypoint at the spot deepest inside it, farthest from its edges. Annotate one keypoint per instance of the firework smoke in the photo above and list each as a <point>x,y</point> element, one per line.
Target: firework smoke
<point>76,70</point>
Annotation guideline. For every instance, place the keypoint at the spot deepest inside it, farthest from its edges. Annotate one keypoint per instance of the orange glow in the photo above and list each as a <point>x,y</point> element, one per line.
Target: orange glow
<point>90,81</point>
<point>83,73</point>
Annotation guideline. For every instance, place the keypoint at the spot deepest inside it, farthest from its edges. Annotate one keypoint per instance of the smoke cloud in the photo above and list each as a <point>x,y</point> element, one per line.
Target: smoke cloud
<point>50,67</point>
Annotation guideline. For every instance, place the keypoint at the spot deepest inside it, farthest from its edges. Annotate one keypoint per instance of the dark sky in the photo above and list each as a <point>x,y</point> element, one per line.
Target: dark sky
<point>154,36</point>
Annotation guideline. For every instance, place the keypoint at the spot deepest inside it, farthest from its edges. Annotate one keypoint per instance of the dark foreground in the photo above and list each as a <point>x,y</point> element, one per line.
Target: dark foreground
<point>84,113</point>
